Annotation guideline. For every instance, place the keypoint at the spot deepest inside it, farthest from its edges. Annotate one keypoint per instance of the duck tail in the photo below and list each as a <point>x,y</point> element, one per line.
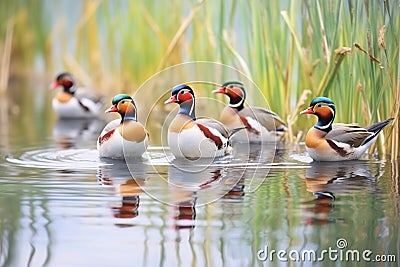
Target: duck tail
<point>375,129</point>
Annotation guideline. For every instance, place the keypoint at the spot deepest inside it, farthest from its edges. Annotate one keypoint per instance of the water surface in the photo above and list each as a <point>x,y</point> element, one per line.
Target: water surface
<point>62,206</point>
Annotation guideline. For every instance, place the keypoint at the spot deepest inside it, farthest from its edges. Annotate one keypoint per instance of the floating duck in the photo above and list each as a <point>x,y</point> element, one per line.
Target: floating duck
<point>72,102</point>
<point>262,125</point>
<point>189,137</point>
<point>125,137</point>
<point>328,141</point>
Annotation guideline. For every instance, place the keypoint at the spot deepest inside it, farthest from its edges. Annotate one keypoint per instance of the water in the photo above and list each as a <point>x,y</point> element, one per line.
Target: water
<point>62,206</point>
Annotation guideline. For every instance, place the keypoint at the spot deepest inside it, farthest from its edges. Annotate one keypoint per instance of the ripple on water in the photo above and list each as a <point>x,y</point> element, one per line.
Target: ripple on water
<point>81,159</point>
<point>87,159</point>
<point>53,158</point>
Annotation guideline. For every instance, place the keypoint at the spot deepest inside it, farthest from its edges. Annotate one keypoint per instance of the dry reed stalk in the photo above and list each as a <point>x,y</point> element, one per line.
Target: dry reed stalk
<point>332,70</point>
<point>6,56</point>
<point>154,26</point>
<point>292,118</point>
<point>175,40</point>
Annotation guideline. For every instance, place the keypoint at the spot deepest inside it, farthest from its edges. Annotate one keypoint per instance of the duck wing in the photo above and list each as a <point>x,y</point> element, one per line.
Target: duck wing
<point>210,123</point>
<point>350,134</point>
<point>111,126</point>
<point>83,93</point>
<point>267,118</point>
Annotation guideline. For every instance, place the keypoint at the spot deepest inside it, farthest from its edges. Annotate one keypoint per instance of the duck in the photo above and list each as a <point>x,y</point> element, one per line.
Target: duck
<point>261,125</point>
<point>72,102</point>
<point>328,141</point>
<point>125,137</point>
<point>189,137</point>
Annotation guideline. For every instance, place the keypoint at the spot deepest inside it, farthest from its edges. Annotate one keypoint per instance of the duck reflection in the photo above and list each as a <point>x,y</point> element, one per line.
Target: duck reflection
<point>343,177</point>
<point>127,181</point>
<point>326,179</point>
<point>191,185</point>
<point>68,132</point>
<point>236,193</point>
<point>257,152</point>
<point>252,163</point>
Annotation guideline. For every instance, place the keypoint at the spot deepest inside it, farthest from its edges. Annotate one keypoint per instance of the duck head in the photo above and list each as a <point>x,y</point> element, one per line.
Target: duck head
<point>125,106</point>
<point>184,96</point>
<point>65,80</point>
<point>324,109</point>
<point>236,93</point>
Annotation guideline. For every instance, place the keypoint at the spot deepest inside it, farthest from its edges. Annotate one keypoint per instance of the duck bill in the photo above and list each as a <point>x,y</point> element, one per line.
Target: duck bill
<point>310,110</point>
<point>113,108</point>
<point>219,91</point>
<point>172,99</point>
<point>54,85</point>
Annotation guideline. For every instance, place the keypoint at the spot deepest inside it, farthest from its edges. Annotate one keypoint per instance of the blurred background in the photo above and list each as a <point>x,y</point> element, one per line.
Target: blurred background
<point>292,51</point>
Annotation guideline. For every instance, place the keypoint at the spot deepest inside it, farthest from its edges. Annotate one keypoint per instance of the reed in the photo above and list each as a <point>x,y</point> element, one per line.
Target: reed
<point>345,50</point>
<point>5,57</point>
<point>292,50</point>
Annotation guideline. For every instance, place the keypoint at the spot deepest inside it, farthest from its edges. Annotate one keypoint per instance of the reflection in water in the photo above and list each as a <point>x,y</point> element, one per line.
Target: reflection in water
<point>69,132</point>
<point>254,164</point>
<point>320,208</point>
<point>5,126</point>
<point>186,184</point>
<point>340,177</point>
<point>257,153</point>
<point>49,218</point>
<point>325,179</point>
<point>237,191</point>
<point>127,181</point>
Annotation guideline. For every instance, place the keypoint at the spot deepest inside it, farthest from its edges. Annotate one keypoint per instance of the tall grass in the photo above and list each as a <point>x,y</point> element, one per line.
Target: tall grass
<point>292,50</point>
<point>346,50</point>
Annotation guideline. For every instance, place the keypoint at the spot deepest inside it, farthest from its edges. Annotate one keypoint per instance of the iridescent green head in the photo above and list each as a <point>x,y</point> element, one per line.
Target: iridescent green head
<point>120,97</point>
<point>321,99</point>
<point>234,83</point>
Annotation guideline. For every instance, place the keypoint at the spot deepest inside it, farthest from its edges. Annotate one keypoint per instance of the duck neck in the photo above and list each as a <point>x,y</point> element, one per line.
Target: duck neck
<point>129,116</point>
<point>70,89</point>
<point>188,108</point>
<point>237,102</point>
<point>325,124</point>
<point>237,105</point>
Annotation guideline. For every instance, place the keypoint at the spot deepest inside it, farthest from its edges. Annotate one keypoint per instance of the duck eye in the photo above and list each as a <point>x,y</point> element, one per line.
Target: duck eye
<point>230,86</point>
<point>319,105</point>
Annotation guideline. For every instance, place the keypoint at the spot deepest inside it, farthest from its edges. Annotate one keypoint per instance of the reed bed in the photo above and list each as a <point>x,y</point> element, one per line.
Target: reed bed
<point>292,50</point>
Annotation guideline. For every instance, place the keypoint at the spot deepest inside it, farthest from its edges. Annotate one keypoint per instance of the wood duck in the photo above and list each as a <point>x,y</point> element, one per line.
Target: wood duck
<point>125,137</point>
<point>262,125</point>
<point>328,141</point>
<point>72,102</point>
<point>189,137</point>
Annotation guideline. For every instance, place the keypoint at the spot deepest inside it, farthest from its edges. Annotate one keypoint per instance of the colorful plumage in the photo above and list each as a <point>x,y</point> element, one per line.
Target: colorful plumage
<point>262,125</point>
<point>189,137</point>
<point>328,141</point>
<point>72,102</point>
<point>125,137</point>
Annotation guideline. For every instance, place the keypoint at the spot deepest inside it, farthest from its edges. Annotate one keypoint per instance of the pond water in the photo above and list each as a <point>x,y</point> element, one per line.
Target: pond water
<point>62,206</point>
